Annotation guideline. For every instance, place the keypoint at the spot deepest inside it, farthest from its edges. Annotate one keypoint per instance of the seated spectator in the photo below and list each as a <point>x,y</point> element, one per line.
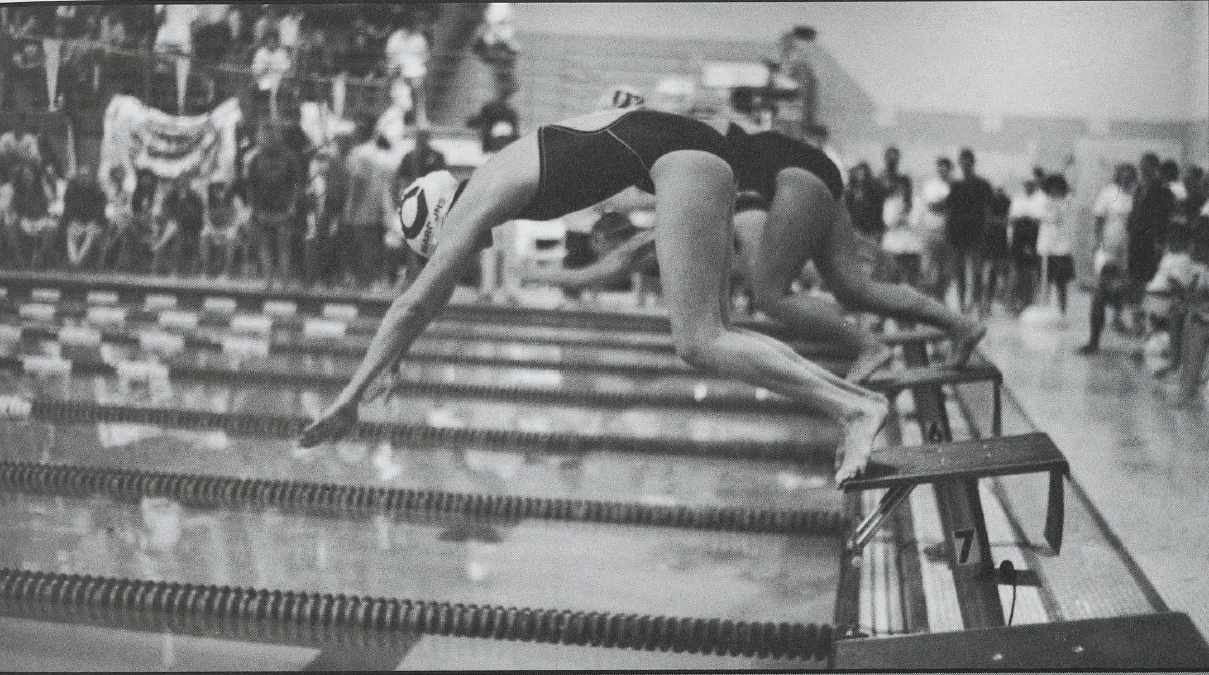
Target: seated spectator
<point>31,229</point>
<point>226,218</point>
<point>20,144</point>
<point>121,237</point>
<point>84,221</point>
<point>178,228</point>
<point>497,124</point>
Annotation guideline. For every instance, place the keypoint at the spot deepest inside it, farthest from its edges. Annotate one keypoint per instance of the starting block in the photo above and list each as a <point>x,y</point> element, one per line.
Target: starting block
<point>51,295</point>
<point>79,336</point>
<point>280,308</point>
<point>106,315</point>
<point>36,311</point>
<point>252,323</point>
<point>10,333</point>
<point>141,371</point>
<point>156,302</point>
<point>323,328</point>
<point>219,305</point>
<point>1162,641</point>
<point>101,298</point>
<point>15,407</point>
<point>160,342</point>
<point>339,311</point>
<point>175,319</point>
<point>46,366</point>
<point>245,347</point>
<point>900,469</point>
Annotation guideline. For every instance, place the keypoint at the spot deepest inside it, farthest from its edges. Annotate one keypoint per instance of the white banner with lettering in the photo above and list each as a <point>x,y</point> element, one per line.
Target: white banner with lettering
<point>137,136</point>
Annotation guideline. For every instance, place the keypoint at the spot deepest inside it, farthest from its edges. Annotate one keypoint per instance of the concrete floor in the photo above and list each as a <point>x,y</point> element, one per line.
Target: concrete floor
<point>1144,463</point>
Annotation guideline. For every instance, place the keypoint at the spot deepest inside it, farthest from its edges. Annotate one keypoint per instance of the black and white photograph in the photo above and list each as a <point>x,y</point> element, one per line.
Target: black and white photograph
<point>623,336</point>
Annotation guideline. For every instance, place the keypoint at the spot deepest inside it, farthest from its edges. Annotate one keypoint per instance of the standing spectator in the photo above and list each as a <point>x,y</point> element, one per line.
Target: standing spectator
<point>1024,219</point>
<point>864,202</point>
<point>931,215</point>
<point>901,241</point>
<point>994,253</point>
<point>371,174</point>
<point>497,124</point>
<point>175,34</point>
<point>965,228</point>
<point>323,202</point>
<point>407,59</point>
<point>1147,227</point>
<point>28,78</point>
<point>1111,213</point>
<point>890,182</point>
<point>1169,171</point>
<point>1194,186</point>
<point>84,220</point>
<point>270,65</point>
<point>1195,339</point>
<point>274,182</point>
<point>1054,237</point>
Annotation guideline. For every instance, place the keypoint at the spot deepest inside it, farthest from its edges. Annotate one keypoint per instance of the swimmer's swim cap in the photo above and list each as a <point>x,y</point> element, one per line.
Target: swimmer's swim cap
<point>621,97</point>
<point>423,206</point>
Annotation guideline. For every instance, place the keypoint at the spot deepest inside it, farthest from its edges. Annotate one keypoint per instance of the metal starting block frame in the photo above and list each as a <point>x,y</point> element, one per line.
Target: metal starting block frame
<point>900,469</point>
<point>953,469</point>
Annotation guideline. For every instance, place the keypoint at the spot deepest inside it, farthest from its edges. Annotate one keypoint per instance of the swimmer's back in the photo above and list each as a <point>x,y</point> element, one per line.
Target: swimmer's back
<point>589,158</point>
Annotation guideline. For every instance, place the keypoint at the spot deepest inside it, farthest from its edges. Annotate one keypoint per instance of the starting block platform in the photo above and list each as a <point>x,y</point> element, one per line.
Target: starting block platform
<point>1162,641</point>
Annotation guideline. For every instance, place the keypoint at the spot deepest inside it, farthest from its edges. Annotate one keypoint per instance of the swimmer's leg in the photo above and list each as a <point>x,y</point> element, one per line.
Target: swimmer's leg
<point>784,248</point>
<point>694,196</point>
<point>841,269</point>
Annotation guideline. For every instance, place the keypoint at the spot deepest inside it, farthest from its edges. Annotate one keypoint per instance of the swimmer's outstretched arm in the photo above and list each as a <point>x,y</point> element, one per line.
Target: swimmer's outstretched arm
<point>614,265</point>
<point>405,319</point>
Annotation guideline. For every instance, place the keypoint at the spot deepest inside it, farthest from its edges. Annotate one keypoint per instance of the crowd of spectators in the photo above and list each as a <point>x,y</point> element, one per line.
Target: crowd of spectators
<point>297,213</point>
<point>109,47</point>
<point>959,233</point>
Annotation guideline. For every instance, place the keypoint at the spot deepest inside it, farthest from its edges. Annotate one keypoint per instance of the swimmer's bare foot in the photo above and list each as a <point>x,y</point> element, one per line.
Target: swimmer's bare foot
<point>965,337</point>
<point>860,431</point>
<point>868,361</point>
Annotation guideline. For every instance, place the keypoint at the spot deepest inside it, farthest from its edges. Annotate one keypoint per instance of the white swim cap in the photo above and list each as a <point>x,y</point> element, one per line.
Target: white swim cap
<point>622,96</point>
<point>423,206</point>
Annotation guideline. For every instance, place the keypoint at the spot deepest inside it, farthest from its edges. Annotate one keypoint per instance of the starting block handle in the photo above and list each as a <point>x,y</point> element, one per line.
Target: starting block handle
<point>873,522</point>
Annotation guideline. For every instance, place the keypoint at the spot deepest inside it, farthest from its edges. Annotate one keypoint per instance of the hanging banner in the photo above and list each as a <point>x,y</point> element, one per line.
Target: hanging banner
<point>140,137</point>
<point>182,82</point>
<point>51,50</point>
<point>339,90</point>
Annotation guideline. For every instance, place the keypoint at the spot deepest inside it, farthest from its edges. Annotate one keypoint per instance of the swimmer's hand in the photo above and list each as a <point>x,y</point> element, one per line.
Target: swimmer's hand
<point>332,425</point>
